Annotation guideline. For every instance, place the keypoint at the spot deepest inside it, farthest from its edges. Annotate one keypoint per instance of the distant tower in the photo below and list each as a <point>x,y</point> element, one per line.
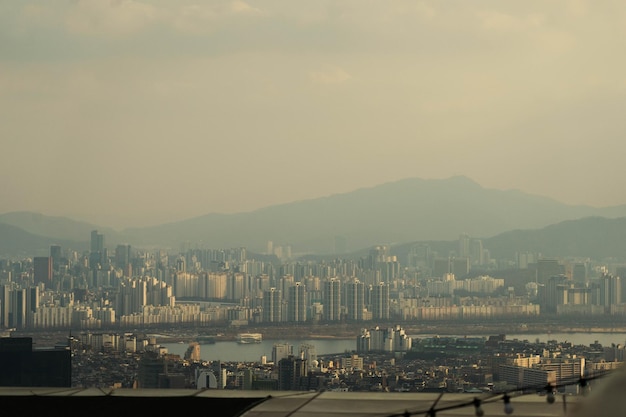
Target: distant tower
<point>477,253</point>
<point>355,299</point>
<point>308,353</point>
<point>281,351</point>
<point>5,302</point>
<point>378,255</point>
<point>42,269</point>
<point>610,290</point>
<point>122,256</point>
<point>17,309</point>
<point>464,245</point>
<point>56,255</point>
<point>380,301</point>
<point>97,255</point>
<point>296,303</point>
<point>97,241</point>
<point>332,300</point>
<point>272,306</point>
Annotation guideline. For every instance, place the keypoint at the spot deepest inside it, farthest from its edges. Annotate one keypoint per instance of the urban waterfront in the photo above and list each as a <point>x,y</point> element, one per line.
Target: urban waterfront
<point>229,351</point>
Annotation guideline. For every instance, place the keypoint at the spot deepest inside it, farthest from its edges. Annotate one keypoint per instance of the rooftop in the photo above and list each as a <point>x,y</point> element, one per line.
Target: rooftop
<point>37,401</point>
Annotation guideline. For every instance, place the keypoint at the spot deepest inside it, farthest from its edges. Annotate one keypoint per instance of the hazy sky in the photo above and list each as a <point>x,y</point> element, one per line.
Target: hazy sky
<point>133,113</point>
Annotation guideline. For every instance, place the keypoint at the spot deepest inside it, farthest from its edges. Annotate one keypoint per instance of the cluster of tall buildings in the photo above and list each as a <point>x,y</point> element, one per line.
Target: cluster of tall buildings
<point>199,286</point>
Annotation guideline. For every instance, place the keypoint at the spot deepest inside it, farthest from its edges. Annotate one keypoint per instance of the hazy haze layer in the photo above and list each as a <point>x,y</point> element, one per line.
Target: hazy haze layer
<point>135,113</point>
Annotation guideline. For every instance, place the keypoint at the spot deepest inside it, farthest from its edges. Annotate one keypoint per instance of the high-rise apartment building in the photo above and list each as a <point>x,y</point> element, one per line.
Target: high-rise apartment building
<point>281,351</point>
<point>380,301</point>
<point>5,303</point>
<point>272,306</point>
<point>332,300</point>
<point>610,290</point>
<point>236,286</point>
<point>17,309</point>
<point>355,300</point>
<point>297,303</point>
<point>553,293</point>
<point>309,354</point>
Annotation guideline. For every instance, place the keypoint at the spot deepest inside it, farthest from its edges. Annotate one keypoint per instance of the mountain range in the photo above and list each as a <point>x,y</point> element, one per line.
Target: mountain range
<point>395,213</point>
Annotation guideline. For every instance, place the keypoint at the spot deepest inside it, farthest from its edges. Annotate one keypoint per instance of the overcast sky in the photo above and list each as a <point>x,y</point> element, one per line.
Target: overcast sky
<point>134,113</point>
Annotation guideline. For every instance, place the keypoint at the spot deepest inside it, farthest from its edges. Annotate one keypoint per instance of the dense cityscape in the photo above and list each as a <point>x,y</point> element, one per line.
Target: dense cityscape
<point>107,304</point>
<point>210,287</point>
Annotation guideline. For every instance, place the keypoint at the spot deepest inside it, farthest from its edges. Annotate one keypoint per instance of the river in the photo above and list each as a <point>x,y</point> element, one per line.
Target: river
<point>228,351</point>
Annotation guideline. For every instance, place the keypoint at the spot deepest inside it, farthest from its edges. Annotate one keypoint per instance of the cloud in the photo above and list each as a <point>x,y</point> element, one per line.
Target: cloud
<point>500,21</point>
<point>330,75</point>
<point>110,17</point>
<point>206,17</point>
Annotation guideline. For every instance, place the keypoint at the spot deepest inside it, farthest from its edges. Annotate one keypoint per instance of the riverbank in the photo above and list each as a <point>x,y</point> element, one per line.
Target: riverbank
<point>340,331</point>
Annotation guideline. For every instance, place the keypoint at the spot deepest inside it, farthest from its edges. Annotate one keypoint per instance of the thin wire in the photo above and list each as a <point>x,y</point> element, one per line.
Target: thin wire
<point>305,403</point>
<point>517,392</point>
<point>431,412</point>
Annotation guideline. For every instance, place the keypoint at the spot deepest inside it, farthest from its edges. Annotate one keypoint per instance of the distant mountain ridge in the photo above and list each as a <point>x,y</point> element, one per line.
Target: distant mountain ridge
<point>598,238</point>
<point>394,213</point>
<point>18,243</point>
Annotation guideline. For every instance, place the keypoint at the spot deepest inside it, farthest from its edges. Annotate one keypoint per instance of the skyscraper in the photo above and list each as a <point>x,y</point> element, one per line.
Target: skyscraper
<point>122,256</point>
<point>464,245</point>
<point>380,301</point>
<point>296,303</point>
<point>272,306</point>
<point>42,270</point>
<point>97,241</point>
<point>17,309</point>
<point>355,299</point>
<point>332,300</point>
<point>56,255</point>
<point>97,253</point>
<point>5,300</point>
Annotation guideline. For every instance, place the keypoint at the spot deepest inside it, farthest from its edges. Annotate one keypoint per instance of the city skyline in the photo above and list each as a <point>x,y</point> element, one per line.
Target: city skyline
<point>137,113</point>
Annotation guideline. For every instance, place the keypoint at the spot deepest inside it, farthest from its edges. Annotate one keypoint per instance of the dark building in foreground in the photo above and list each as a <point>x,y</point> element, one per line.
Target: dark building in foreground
<point>290,370</point>
<point>23,366</point>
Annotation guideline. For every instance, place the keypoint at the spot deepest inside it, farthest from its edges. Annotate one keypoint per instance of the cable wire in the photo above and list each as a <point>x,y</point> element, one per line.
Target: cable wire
<point>504,396</point>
